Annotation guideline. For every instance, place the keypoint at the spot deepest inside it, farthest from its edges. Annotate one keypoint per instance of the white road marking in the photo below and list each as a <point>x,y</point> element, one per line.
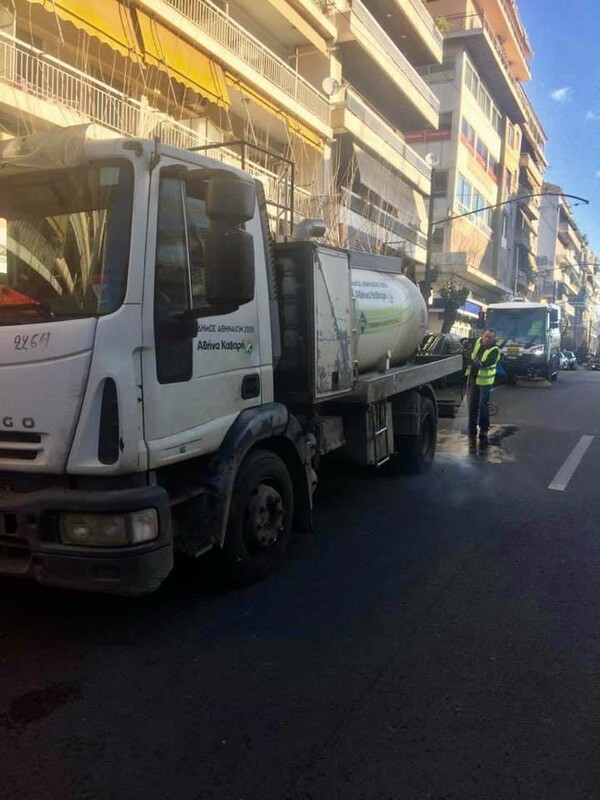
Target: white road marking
<point>566,472</point>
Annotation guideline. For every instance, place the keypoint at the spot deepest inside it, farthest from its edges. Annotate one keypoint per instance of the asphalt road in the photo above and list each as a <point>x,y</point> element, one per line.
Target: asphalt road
<point>437,638</point>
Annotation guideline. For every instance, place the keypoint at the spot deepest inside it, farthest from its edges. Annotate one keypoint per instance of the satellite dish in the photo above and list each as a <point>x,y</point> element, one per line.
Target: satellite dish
<point>431,160</point>
<point>331,86</point>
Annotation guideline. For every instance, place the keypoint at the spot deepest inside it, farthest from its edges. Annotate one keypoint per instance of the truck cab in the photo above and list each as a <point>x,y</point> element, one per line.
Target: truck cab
<point>528,335</point>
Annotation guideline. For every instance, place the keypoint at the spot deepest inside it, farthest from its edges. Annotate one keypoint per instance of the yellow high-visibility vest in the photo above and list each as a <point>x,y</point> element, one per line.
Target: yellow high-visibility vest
<point>486,375</point>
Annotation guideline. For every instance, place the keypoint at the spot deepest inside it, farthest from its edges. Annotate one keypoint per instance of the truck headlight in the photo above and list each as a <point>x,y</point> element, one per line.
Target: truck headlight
<point>108,530</point>
<point>144,525</point>
<point>537,351</point>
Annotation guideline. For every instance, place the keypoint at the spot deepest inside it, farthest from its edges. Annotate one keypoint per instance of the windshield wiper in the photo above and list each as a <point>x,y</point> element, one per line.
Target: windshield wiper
<point>42,309</point>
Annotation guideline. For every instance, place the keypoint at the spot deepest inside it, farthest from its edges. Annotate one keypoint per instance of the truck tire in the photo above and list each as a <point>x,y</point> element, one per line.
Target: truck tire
<point>416,453</point>
<point>260,519</point>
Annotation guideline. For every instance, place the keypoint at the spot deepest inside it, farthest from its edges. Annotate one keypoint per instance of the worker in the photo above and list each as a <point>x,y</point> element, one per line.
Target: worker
<point>481,373</point>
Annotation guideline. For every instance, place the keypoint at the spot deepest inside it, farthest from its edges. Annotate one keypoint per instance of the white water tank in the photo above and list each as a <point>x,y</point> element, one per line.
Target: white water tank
<point>391,316</point>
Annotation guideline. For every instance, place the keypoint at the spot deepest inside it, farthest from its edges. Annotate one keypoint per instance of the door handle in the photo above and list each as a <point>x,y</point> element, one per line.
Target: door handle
<point>250,386</point>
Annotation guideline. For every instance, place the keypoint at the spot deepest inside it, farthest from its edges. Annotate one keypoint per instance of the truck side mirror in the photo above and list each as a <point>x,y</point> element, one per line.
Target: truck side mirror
<point>554,321</point>
<point>230,199</point>
<point>229,267</point>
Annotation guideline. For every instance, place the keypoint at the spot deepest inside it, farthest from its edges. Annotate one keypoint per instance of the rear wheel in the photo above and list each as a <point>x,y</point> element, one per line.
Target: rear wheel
<point>260,518</point>
<point>416,453</point>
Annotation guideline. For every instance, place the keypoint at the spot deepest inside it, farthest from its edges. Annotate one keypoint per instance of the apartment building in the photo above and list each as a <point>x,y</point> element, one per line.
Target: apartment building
<point>378,178</point>
<point>186,71</point>
<point>532,165</point>
<point>311,96</point>
<point>566,267</point>
<point>478,145</point>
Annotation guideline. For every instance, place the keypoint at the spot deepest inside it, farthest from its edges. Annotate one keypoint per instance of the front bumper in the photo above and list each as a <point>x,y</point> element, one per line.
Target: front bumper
<point>525,366</point>
<point>30,545</point>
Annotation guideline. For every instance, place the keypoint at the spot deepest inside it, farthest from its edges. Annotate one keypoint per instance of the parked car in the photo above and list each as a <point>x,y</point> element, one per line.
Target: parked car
<point>594,363</point>
<point>563,361</point>
<point>571,359</point>
<point>449,390</point>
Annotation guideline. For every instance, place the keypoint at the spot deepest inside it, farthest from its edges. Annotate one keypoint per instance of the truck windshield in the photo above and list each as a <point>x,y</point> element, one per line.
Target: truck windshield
<point>64,242</point>
<point>524,327</point>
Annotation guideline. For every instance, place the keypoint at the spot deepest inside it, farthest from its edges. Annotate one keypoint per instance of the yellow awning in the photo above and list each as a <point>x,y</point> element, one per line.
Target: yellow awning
<point>106,20</point>
<point>294,125</point>
<point>181,61</point>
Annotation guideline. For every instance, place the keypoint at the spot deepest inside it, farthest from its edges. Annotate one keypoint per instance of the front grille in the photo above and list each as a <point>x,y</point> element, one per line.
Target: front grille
<point>20,445</point>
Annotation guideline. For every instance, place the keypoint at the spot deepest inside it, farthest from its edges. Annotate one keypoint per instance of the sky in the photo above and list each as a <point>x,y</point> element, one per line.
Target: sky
<point>565,93</point>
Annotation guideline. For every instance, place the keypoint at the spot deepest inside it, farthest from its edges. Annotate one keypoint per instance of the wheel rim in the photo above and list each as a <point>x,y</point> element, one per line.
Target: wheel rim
<point>264,518</point>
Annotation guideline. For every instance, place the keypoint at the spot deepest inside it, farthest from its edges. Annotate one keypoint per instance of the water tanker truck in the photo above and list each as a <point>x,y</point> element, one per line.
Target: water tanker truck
<point>171,378</point>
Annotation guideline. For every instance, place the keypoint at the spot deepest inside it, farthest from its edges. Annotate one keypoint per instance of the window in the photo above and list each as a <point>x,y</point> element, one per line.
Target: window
<point>493,167</point>
<point>437,239</point>
<point>171,284</point>
<point>440,183</point>
<point>496,120</point>
<point>482,153</point>
<point>65,242</point>
<point>467,133</point>
<point>511,135</point>
<point>485,215</point>
<point>485,101</point>
<point>471,80</point>
<point>198,226</point>
<point>445,121</point>
<point>463,193</point>
<point>482,96</point>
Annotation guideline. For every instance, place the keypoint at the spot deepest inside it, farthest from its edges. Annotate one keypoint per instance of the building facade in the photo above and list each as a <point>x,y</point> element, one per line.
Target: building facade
<point>478,147</point>
<point>311,96</point>
<point>567,269</point>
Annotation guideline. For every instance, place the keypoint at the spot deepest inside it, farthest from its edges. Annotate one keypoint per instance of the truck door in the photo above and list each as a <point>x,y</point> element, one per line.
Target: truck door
<point>195,383</point>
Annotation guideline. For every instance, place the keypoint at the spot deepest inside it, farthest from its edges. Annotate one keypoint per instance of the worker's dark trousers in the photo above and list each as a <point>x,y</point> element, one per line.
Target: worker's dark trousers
<point>479,412</point>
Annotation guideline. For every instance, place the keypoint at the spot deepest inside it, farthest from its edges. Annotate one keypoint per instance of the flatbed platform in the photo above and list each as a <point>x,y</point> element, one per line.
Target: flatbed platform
<point>372,387</point>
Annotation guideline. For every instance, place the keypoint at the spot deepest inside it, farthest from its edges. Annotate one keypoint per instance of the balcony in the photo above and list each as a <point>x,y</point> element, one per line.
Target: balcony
<point>40,87</point>
<point>374,64</point>
<point>351,113</point>
<point>533,129</point>
<point>568,236</point>
<point>527,239</point>
<point>504,21</point>
<point>317,14</point>
<point>530,206</point>
<point>410,22</point>
<point>527,162</point>
<point>491,60</point>
<point>227,41</point>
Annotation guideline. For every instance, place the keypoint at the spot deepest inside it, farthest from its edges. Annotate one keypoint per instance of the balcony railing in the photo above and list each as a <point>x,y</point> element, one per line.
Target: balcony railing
<point>478,21</point>
<point>520,34</point>
<point>46,78</point>
<point>535,125</point>
<point>236,40</point>
<point>385,44</point>
<point>418,7</point>
<point>360,108</point>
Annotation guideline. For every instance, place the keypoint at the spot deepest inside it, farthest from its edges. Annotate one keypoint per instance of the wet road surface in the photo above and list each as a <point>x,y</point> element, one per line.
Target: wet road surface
<point>437,637</point>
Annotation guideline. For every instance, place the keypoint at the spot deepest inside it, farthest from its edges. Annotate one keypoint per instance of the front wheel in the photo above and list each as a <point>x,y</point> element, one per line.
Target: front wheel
<point>260,519</point>
<point>416,453</point>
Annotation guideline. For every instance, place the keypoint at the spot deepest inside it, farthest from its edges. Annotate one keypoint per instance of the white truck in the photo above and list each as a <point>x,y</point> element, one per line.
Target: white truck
<point>528,335</point>
<point>170,378</point>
